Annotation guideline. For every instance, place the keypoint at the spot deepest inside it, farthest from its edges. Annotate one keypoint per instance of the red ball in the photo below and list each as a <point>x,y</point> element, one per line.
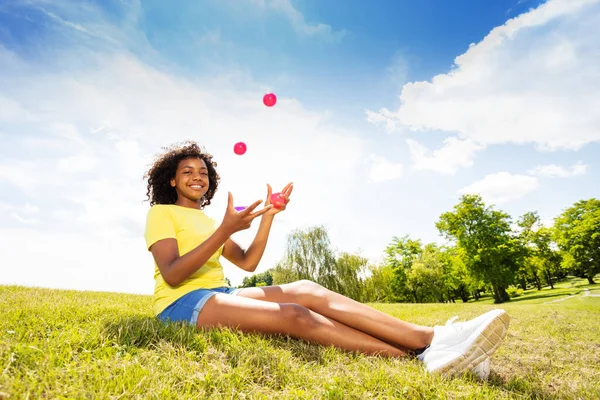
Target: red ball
<point>277,200</point>
<point>269,99</point>
<point>239,148</point>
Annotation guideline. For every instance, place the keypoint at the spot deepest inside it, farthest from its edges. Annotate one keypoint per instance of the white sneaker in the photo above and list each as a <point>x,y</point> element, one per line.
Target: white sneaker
<point>458,347</point>
<point>482,370</point>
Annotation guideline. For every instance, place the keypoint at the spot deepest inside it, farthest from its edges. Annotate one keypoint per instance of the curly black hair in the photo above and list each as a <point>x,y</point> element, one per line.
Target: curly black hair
<point>164,167</point>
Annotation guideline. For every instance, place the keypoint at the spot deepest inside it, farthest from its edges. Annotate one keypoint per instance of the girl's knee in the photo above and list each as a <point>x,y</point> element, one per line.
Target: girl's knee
<point>308,293</point>
<point>305,286</point>
<point>297,316</point>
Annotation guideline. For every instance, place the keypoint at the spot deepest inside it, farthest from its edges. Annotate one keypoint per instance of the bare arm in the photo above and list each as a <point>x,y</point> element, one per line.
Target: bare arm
<point>248,259</point>
<point>175,268</point>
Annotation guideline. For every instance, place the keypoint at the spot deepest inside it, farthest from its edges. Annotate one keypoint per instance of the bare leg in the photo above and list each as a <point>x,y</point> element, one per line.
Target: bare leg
<point>290,319</point>
<point>346,311</point>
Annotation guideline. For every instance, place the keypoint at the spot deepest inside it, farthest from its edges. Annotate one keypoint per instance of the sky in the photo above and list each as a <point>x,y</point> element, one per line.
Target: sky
<point>385,116</point>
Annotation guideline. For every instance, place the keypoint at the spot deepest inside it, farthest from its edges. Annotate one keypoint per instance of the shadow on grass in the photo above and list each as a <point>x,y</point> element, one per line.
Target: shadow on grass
<point>522,386</point>
<point>151,333</point>
<point>544,295</point>
<point>527,297</point>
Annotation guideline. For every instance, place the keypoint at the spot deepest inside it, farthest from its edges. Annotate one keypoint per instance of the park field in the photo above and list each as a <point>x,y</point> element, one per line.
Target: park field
<point>57,344</point>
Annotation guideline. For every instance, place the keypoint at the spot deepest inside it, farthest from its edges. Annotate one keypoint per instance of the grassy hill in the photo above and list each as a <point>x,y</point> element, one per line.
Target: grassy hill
<point>69,344</point>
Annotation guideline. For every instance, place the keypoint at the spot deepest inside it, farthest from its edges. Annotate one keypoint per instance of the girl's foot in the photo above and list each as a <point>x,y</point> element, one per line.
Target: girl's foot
<point>459,347</point>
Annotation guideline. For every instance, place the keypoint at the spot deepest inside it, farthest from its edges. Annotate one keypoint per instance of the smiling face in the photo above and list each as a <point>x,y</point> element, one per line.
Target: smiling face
<point>191,182</point>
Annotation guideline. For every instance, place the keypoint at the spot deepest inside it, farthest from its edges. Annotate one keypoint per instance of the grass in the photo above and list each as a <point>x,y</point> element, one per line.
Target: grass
<point>572,286</point>
<point>67,344</point>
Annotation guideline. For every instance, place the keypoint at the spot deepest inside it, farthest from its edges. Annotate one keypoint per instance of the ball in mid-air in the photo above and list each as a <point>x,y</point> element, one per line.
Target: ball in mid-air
<point>240,148</point>
<point>269,99</point>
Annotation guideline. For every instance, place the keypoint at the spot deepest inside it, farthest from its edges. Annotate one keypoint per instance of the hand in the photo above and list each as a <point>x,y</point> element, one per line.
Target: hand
<point>235,221</point>
<point>284,194</point>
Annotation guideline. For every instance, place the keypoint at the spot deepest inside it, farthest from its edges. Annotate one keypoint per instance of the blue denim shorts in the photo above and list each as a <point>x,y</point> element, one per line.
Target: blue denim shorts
<point>187,307</point>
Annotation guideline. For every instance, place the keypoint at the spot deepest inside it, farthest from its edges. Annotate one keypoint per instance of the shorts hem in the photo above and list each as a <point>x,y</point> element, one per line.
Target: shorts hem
<point>174,310</point>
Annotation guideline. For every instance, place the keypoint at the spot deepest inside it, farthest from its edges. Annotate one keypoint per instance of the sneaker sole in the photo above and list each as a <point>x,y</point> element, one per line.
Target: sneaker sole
<point>486,343</point>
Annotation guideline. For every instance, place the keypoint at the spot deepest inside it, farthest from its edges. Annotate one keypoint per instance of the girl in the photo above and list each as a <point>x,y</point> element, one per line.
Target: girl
<point>190,285</point>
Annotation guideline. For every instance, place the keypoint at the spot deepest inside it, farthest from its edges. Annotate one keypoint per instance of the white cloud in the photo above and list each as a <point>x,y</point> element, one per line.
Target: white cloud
<point>383,170</point>
<point>455,154</point>
<point>298,21</point>
<point>23,213</point>
<point>96,129</point>
<point>553,170</point>
<point>71,261</point>
<point>10,109</point>
<point>77,27</point>
<point>384,116</point>
<point>84,25</point>
<point>502,187</point>
<point>532,80</point>
<point>78,163</point>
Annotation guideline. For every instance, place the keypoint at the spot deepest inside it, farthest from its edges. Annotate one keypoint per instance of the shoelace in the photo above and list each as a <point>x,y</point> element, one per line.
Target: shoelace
<point>456,326</point>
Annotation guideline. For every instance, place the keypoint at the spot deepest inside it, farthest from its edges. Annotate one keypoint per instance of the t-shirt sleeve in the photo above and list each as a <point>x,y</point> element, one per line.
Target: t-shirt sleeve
<point>159,225</point>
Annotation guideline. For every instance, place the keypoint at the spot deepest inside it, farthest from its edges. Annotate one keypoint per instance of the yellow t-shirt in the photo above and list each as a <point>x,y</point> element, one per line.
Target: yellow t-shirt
<point>190,227</point>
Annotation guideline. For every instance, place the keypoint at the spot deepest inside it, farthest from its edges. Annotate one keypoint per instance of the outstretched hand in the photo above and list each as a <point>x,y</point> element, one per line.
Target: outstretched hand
<point>284,195</point>
<point>235,221</point>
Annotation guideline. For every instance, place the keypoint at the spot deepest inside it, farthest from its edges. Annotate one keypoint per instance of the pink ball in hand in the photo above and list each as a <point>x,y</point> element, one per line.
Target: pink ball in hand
<point>277,200</point>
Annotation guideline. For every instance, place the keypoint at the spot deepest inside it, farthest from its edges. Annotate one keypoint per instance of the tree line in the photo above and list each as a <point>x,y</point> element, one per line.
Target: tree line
<point>485,251</point>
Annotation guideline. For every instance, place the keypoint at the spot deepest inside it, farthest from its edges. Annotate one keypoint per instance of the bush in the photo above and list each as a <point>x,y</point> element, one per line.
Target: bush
<point>514,292</point>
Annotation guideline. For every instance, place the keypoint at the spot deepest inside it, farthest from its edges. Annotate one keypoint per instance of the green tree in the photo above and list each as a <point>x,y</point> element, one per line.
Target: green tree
<point>400,254</point>
<point>283,273</point>
<point>425,278</point>
<point>261,279</point>
<point>529,270</point>
<point>547,258</point>
<point>308,255</point>
<point>461,281</point>
<point>491,253</point>
<point>577,232</point>
<point>351,270</point>
<point>542,260</point>
<point>377,286</point>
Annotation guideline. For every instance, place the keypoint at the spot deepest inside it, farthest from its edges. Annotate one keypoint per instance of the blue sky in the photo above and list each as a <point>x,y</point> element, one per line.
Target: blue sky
<point>385,116</point>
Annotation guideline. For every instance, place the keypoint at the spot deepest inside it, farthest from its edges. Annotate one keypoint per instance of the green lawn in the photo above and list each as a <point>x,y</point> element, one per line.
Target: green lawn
<point>68,344</point>
<point>570,287</point>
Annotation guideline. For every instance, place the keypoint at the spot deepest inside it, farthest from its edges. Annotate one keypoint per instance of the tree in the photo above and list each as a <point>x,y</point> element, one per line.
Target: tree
<point>542,259</point>
<point>484,234</point>
<point>350,270</point>
<point>377,286</point>
<point>547,258</point>
<point>283,273</point>
<point>529,224</point>
<point>459,281</point>
<point>400,254</point>
<point>425,278</point>
<point>308,255</point>
<point>577,232</point>
<point>262,279</point>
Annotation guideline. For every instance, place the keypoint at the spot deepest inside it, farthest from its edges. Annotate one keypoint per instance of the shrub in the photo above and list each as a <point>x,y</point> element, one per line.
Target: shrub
<point>514,292</point>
